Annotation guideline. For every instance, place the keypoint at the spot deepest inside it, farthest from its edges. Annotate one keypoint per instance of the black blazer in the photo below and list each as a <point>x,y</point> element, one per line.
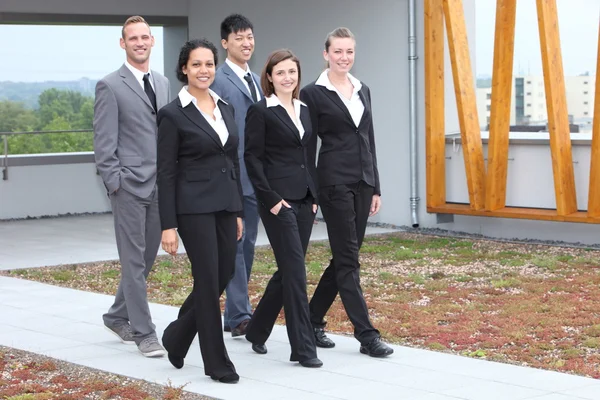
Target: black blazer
<point>280,164</point>
<point>347,153</point>
<point>196,173</point>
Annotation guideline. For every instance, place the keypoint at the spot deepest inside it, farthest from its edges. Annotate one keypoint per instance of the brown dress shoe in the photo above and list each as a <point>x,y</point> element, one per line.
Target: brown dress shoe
<point>241,329</point>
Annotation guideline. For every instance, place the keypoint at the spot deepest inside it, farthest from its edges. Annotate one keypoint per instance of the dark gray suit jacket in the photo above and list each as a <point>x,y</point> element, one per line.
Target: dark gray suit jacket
<point>125,131</point>
<point>231,89</point>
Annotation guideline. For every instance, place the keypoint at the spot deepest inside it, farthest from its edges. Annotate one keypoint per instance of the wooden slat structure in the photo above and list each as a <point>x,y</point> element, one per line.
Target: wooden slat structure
<point>504,47</point>
<point>594,193</point>
<point>464,87</point>
<point>487,191</point>
<point>435,140</point>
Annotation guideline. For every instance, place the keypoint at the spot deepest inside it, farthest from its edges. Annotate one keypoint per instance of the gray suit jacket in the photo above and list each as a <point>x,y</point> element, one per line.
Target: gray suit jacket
<point>125,131</point>
<point>231,89</point>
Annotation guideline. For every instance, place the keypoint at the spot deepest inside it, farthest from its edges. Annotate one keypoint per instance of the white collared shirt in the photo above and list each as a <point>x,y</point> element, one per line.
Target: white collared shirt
<point>355,106</point>
<point>241,73</point>
<point>218,124</point>
<point>273,101</point>
<point>139,75</point>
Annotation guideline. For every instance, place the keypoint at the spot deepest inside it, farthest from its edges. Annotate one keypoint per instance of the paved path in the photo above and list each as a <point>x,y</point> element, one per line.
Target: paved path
<point>79,239</point>
<point>66,324</point>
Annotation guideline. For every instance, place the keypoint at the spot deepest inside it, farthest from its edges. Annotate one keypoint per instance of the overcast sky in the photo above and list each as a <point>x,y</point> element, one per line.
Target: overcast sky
<point>38,53</point>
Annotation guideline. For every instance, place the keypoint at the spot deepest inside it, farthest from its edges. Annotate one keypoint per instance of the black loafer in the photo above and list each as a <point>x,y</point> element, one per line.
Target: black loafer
<point>231,378</point>
<point>376,348</point>
<point>259,348</point>
<point>321,339</point>
<point>312,363</point>
<point>176,361</point>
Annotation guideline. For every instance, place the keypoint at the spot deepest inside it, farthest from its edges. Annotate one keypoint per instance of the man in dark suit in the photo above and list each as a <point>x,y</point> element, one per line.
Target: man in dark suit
<point>238,86</point>
<point>127,101</point>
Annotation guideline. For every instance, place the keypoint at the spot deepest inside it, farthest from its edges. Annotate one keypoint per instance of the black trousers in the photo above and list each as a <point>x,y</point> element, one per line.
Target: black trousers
<point>210,242</point>
<point>345,209</point>
<point>288,233</point>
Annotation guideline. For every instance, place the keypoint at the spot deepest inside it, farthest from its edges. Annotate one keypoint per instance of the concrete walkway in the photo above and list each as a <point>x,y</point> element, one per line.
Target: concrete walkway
<point>80,239</point>
<point>66,324</point>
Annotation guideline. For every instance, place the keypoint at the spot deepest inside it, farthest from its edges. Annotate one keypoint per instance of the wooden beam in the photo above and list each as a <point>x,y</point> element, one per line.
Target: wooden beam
<point>502,83</point>
<point>435,146</point>
<point>515,213</point>
<point>594,193</point>
<point>464,88</point>
<point>556,102</point>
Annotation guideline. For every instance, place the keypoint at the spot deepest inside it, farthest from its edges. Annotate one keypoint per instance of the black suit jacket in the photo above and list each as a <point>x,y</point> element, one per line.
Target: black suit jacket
<point>347,153</point>
<point>280,164</point>
<point>196,173</point>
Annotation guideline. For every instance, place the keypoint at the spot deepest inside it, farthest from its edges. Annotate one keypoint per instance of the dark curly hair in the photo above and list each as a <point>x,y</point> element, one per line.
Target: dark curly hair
<point>184,55</point>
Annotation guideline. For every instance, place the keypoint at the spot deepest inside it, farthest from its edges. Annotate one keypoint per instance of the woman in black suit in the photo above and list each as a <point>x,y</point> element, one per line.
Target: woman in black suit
<point>200,197</point>
<point>349,191</point>
<point>281,168</point>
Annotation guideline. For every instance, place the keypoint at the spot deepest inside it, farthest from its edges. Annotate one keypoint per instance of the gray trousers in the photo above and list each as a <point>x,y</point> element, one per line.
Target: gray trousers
<point>138,234</point>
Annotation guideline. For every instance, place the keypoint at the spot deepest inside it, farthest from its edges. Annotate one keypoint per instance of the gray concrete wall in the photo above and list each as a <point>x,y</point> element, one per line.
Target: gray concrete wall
<point>38,190</point>
<point>98,7</point>
<point>381,30</point>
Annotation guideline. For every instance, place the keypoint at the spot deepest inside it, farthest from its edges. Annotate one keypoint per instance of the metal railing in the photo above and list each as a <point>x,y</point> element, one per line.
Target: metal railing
<point>5,136</point>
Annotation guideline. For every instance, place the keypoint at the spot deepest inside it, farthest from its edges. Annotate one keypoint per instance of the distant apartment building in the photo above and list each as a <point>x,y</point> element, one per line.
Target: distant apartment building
<point>529,101</point>
<point>484,104</point>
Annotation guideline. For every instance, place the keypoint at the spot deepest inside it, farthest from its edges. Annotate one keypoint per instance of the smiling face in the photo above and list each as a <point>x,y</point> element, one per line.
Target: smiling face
<point>239,46</point>
<point>200,69</point>
<point>340,55</point>
<point>284,77</point>
<point>137,43</point>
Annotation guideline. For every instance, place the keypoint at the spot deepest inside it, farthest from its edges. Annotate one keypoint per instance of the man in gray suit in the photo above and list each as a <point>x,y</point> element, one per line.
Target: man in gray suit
<point>127,101</point>
<point>238,86</point>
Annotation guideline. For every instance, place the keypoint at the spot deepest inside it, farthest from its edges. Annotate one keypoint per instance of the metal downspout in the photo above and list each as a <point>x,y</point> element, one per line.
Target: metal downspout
<point>412,93</point>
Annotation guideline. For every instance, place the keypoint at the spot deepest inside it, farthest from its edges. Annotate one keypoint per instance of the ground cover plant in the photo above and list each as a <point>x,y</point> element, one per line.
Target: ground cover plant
<point>29,376</point>
<point>527,304</point>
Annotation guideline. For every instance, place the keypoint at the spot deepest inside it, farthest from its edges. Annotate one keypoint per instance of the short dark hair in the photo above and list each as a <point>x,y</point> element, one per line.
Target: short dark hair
<point>275,58</point>
<point>234,24</point>
<point>184,55</point>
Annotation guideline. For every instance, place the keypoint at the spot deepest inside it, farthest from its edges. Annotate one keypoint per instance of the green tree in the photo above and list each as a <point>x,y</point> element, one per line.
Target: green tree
<point>59,110</point>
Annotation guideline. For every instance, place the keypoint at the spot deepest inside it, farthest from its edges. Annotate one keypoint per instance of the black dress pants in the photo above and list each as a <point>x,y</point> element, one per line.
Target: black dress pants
<point>289,233</point>
<point>345,209</point>
<point>210,241</point>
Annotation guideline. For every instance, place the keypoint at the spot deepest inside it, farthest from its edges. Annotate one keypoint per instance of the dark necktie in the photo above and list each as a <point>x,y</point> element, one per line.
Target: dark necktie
<point>253,93</point>
<point>149,91</point>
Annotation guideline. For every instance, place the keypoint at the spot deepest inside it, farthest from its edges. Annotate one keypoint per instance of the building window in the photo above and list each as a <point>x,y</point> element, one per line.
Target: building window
<point>488,107</point>
<point>585,92</point>
<point>585,102</point>
<point>528,116</point>
<point>488,96</point>
<point>488,120</point>
<point>585,113</point>
<point>528,93</point>
<point>529,82</point>
<point>528,104</point>
<point>585,82</point>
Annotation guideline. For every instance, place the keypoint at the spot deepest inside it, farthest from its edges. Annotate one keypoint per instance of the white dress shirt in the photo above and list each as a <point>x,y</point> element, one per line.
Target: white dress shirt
<point>273,101</point>
<point>218,124</point>
<point>241,73</point>
<point>355,106</point>
<point>139,75</point>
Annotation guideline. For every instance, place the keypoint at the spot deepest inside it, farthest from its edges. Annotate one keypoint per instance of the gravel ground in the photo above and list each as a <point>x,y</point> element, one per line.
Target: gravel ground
<point>26,375</point>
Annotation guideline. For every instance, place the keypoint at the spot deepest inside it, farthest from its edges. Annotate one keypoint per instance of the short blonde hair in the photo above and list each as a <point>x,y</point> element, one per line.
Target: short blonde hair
<point>133,20</point>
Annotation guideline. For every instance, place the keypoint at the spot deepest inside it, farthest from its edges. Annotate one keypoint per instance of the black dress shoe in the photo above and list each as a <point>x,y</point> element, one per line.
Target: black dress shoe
<point>175,360</point>
<point>321,339</point>
<point>259,348</point>
<point>226,329</point>
<point>312,363</point>
<point>231,378</point>
<point>376,348</point>
<point>241,329</point>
